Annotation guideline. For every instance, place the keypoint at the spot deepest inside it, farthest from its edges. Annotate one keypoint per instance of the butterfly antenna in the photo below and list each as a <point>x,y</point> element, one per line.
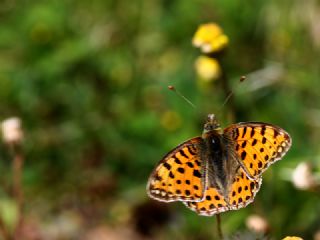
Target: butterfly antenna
<point>172,88</point>
<point>242,79</point>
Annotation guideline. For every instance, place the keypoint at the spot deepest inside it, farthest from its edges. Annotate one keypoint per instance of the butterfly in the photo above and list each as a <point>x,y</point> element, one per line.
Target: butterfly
<point>221,170</point>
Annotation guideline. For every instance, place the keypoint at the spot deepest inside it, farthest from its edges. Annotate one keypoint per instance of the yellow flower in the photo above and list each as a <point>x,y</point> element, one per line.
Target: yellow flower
<point>210,38</point>
<point>292,238</point>
<point>207,68</point>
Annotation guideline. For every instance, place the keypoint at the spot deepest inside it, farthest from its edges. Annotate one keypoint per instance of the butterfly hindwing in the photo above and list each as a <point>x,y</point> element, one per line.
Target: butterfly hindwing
<point>212,203</point>
<point>180,174</point>
<point>257,145</point>
<point>241,193</point>
<point>243,190</point>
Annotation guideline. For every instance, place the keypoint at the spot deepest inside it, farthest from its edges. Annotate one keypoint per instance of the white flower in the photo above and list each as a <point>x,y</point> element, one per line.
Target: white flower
<point>302,177</point>
<point>257,224</point>
<point>11,130</point>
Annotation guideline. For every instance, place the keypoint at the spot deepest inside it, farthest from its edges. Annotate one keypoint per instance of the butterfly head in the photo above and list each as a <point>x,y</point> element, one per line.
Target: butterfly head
<point>211,124</point>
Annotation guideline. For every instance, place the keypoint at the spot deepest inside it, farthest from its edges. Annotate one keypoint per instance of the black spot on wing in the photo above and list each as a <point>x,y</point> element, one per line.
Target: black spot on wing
<point>243,155</point>
<point>182,153</point>
<point>254,142</point>
<point>190,164</point>
<point>167,165</point>
<point>252,133</point>
<point>192,150</point>
<point>176,160</point>
<point>196,173</point>
<point>244,132</point>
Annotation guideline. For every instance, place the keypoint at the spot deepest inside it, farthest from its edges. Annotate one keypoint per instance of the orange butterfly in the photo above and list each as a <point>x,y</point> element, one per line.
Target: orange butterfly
<point>221,170</point>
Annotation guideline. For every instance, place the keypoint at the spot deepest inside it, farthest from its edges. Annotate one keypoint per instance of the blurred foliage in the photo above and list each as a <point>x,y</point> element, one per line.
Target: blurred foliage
<point>89,81</point>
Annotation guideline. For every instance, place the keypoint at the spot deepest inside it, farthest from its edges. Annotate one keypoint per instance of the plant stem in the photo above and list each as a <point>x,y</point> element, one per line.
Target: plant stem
<point>220,235</point>
<point>3,231</point>
<point>17,187</point>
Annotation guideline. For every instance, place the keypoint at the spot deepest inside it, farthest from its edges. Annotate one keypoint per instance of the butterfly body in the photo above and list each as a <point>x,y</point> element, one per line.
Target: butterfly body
<point>221,170</point>
<point>221,165</point>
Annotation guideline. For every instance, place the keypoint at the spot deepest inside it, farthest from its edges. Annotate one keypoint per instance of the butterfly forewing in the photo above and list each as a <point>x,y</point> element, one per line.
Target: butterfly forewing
<point>257,145</point>
<point>180,174</point>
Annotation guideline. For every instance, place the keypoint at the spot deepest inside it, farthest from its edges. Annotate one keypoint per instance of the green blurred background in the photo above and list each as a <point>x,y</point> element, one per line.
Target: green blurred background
<point>89,81</point>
